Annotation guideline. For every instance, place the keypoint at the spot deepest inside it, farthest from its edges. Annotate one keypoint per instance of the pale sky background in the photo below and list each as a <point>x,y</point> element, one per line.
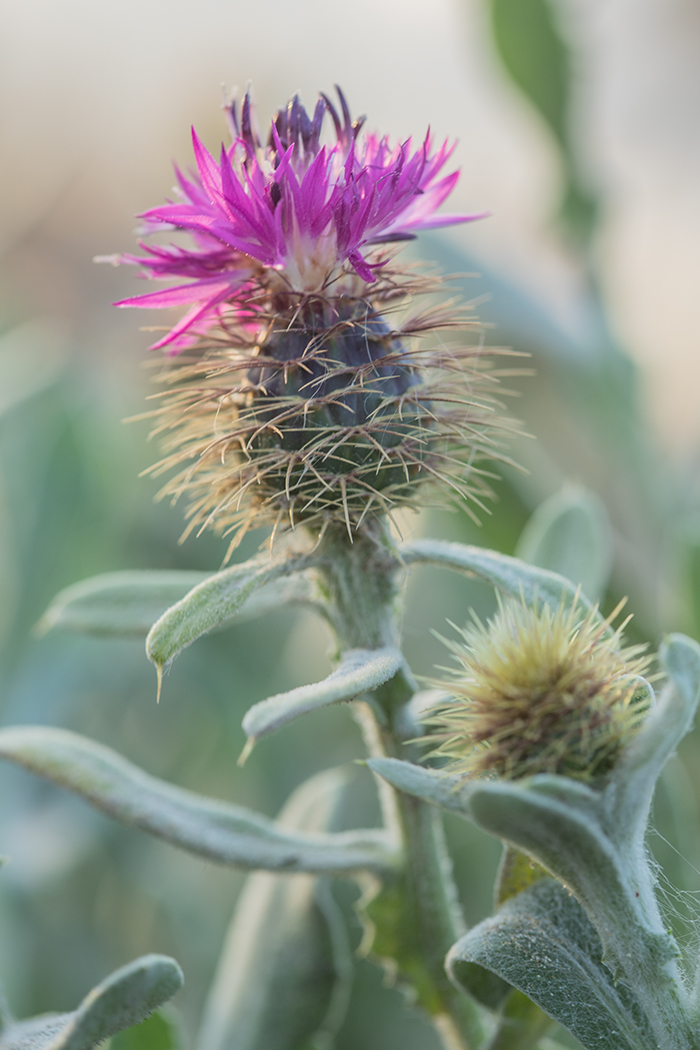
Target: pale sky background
<point>96,100</point>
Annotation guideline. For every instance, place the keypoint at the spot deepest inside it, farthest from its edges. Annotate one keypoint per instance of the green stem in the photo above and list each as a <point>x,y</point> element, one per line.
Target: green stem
<point>364,581</point>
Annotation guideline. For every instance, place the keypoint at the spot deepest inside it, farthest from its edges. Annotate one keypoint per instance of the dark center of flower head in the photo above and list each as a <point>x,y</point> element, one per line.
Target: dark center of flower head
<point>346,387</point>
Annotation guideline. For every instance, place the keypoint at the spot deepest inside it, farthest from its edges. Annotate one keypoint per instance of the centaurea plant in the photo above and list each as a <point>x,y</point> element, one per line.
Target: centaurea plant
<point>302,392</point>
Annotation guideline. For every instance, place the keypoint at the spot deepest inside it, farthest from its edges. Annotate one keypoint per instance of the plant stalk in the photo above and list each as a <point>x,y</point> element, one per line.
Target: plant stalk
<point>364,580</point>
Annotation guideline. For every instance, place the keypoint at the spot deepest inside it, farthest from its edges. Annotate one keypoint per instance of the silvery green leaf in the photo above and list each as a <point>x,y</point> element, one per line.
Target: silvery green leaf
<point>609,876</point>
<point>446,792</point>
<point>482,984</point>
<point>542,943</point>
<point>510,576</point>
<point>283,978</point>
<point>520,1022</point>
<point>118,604</point>
<point>557,821</point>
<point>123,999</point>
<point>220,831</point>
<point>211,604</point>
<point>640,764</point>
<point>127,604</point>
<point>570,534</point>
<point>563,825</point>
<point>360,671</point>
<point>298,589</point>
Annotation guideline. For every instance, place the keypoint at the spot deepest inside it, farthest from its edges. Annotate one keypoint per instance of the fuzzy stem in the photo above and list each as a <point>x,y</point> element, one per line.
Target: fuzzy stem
<point>363,581</point>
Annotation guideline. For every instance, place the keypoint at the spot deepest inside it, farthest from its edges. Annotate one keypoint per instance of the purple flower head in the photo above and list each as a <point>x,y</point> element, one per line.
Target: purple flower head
<point>293,216</point>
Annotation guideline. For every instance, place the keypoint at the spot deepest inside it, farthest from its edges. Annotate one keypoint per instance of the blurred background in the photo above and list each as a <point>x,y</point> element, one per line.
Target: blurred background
<point>577,126</point>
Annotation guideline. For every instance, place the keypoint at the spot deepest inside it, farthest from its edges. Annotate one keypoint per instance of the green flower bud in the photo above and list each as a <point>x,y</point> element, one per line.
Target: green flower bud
<point>539,690</point>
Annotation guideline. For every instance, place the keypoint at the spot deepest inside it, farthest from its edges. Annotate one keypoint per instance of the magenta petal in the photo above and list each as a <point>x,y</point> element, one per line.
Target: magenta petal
<point>190,318</point>
<point>361,267</point>
<point>186,293</point>
<point>249,211</point>
<point>438,221</point>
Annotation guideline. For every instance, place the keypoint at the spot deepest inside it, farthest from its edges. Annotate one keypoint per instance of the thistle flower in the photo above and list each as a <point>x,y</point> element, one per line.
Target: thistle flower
<point>293,395</point>
<point>539,691</point>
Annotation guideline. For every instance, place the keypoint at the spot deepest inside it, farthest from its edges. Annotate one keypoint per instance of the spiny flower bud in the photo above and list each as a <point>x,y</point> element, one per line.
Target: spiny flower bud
<point>299,393</point>
<point>539,690</point>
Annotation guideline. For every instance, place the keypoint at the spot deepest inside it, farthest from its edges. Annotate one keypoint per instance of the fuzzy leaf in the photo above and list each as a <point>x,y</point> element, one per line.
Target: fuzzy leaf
<point>508,575</point>
<point>570,534</point>
<point>668,721</point>
<point>283,978</point>
<point>557,821</point>
<point>562,824</point>
<point>542,943</point>
<point>127,604</point>
<point>121,604</point>
<point>360,671</point>
<point>447,792</point>
<point>125,998</point>
<point>211,604</point>
<point>486,987</point>
<point>222,832</point>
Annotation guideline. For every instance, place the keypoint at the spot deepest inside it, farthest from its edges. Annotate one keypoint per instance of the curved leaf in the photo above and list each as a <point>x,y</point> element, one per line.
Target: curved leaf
<point>447,792</point>
<point>211,604</point>
<point>563,825</point>
<point>570,534</point>
<point>360,671</point>
<point>127,604</point>
<point>125,998</point>
<point>542,943</point>
<point>521,1024</point>
<point>121,604</point>
<point>220,831</point>
<point>510,576</point>
<point>668,721</point>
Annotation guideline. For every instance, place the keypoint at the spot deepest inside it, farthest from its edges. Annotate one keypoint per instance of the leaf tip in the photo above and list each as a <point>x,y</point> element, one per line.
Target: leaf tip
<point>245,753</point>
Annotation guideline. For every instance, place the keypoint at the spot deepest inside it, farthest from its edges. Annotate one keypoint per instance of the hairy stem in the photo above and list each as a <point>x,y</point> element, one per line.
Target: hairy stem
<point>364,582</point>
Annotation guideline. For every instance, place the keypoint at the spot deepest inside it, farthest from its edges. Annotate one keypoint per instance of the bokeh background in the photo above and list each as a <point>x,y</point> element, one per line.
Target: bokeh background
<point>578,129</point>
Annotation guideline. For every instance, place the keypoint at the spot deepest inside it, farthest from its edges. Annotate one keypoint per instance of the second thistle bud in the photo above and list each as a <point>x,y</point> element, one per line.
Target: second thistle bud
<point>539,690</point>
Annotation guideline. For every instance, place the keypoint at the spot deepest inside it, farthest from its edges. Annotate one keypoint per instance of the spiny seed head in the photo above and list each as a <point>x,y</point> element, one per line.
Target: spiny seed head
<point>296,390</point>
<point>325,413</point>
<point>539,690</point>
